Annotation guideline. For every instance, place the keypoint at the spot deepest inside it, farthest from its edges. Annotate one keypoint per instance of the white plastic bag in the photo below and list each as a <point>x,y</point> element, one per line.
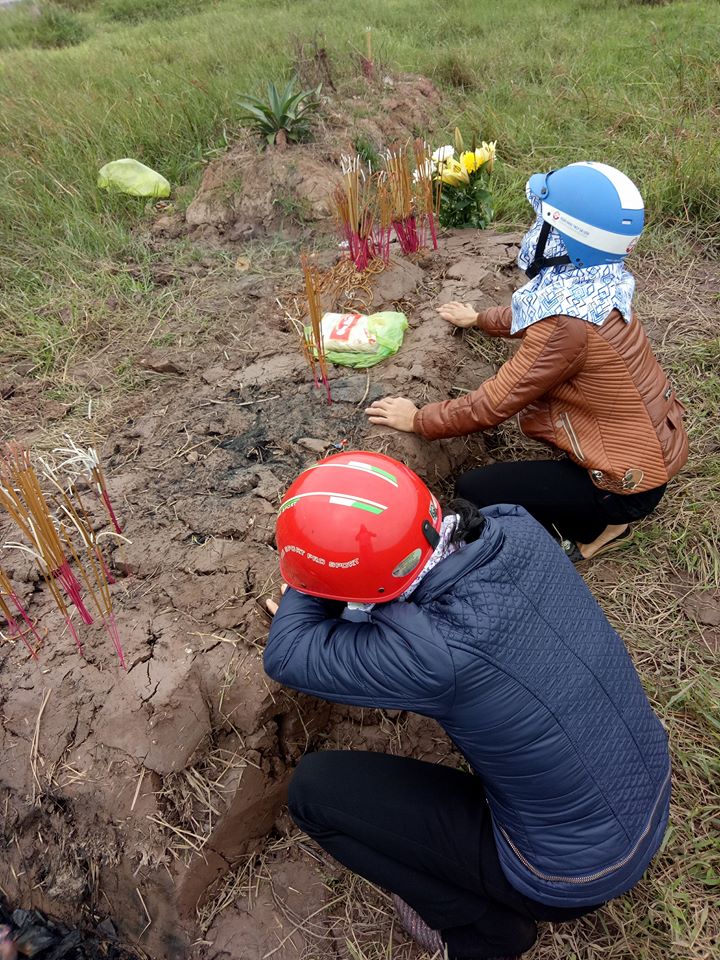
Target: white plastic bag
<point>348,333</point>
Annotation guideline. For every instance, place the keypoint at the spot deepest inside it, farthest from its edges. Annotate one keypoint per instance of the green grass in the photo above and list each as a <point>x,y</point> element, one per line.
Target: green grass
<point>135,11</point>
<point>633,85</point>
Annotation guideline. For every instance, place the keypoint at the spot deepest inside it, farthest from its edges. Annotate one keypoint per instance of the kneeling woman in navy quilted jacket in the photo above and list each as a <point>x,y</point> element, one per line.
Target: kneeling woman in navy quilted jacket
<point>478,620</point>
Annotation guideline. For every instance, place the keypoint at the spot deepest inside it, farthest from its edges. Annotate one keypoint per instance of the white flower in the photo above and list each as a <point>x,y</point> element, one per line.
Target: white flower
<point>443,153</point>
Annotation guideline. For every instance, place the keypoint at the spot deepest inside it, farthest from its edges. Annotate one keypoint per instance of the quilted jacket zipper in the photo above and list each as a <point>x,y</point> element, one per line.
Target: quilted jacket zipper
<point>572,436</point>
<point>601,873</point>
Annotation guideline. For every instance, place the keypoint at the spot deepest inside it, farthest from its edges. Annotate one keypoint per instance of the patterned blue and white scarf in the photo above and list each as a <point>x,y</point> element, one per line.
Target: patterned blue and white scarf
<point>589,293</point>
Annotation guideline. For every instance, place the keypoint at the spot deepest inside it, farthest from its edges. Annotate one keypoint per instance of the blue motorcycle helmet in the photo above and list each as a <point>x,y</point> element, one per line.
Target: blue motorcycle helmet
<point>596,209</point>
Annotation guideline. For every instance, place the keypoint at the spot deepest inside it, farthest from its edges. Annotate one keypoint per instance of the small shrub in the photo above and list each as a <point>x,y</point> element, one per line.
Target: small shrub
<point>135,11</point>
<point>17,28</point>
<point>56,27</point>
<point>457,70</point>
<point>367,150</point>
<point>282,116</point>
<point>294,208</point>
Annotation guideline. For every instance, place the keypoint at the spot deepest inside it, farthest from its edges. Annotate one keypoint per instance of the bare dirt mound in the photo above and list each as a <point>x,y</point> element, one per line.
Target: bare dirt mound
<point>132,794</point>
<point>250,192</point>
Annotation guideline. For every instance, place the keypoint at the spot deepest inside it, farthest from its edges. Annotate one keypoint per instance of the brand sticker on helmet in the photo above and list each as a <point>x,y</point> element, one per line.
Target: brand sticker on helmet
<point>595,237</point>
<point>408,564</point>
<point>291,548</point>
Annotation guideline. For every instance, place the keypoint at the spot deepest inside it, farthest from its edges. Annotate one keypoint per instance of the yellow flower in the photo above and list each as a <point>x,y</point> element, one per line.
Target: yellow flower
<point>488,151</point>
<point>470,161</point>
<point>454,174</point>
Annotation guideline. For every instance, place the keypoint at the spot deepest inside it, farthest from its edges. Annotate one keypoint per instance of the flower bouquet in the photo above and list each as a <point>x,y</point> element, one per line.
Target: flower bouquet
<point>464,174</point>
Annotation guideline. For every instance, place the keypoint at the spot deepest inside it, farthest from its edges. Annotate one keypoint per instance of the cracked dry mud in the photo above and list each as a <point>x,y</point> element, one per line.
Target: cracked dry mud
<point>150,785</point>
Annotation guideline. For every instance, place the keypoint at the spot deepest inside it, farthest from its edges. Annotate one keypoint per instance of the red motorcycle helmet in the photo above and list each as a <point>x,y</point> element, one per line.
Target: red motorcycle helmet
<point>357,527</point>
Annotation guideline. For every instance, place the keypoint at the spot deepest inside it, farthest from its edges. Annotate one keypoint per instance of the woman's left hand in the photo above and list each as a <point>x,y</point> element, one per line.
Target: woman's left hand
<point>396,412</point>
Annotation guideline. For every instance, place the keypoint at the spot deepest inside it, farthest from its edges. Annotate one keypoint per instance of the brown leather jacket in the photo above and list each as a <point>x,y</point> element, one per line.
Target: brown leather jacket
<point>596,392</point>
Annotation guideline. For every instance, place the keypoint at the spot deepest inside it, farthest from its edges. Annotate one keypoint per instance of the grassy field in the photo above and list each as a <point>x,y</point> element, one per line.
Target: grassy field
<point>634,84</point>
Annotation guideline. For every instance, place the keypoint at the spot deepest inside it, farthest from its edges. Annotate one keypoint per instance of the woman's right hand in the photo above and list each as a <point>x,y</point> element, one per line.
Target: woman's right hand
<point>460,314</point>
<point>8,950</point>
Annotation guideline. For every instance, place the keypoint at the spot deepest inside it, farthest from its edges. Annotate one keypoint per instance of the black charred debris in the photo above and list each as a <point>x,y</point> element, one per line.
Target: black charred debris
<point>38,936</point>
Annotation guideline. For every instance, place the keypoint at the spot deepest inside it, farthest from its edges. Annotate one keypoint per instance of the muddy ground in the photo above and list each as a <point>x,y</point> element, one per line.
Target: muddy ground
<point>146,787</point>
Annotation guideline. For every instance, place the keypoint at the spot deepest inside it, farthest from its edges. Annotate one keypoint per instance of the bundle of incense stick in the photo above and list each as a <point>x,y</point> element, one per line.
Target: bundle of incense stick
<point>28,629</point>
<point>367,63</point>
<point>51,540</point>
<point>384,225</point>
<point>428,191</point>
<point>23,498</point>
<point>313,345</point>
<point>86,460</point>
<point>400,185</point>
<point>414,197</point>
<point>92,566</point>
<point>355,207</point>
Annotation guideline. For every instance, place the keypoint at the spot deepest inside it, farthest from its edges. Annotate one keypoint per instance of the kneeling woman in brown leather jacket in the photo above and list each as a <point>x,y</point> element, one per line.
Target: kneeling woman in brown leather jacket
<point>584,379</point>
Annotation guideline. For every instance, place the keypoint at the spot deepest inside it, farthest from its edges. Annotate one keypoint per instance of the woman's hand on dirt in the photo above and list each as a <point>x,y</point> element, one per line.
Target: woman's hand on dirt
<point>460,314</point>
<point>396,412</point>
<point>272,605</point>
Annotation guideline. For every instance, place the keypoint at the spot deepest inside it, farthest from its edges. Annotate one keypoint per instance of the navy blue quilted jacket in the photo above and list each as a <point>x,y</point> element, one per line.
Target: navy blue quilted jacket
<point>503,644</point>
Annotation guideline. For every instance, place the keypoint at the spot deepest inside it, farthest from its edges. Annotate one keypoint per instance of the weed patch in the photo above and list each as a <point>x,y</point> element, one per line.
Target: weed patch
<point>135,11</point>
<point>456,69</point>
<point>51,26</point>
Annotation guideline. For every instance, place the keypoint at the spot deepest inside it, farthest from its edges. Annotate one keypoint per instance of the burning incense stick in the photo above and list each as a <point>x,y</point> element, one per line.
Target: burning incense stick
<point>427,189</point>
<point>23,498</point>
<point>414,198</point>
<point>401,191</point>
<point>56,539</point>
<point>367,61</point>
<point>384,226</point>
<point>14,628</point>
<point>87,460</point>
<point>356,203</point>
<point>313,284</point>
<point>93,569</point>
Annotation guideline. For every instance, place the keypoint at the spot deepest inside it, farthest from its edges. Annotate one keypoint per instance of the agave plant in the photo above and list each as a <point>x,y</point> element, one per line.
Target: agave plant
<point>282,116</point>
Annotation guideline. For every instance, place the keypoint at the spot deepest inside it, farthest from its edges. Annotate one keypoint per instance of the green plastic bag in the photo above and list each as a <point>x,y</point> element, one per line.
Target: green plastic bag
<point>387,328</point>
<point>133,177</point>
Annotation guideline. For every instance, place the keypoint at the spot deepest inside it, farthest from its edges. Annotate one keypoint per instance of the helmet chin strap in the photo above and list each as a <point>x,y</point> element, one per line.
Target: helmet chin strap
<point>540,261</point>
<point>430,534</point>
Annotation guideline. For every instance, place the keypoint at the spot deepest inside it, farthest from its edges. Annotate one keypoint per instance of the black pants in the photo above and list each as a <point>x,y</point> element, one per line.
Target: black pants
<point>424,832</point>
<point>559,494</point>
